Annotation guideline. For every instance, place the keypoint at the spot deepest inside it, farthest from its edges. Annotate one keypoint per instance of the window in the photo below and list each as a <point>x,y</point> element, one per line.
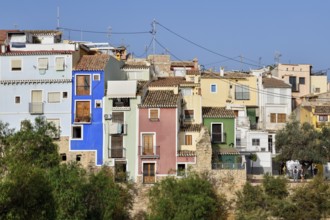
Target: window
<point>83,113</point>
<point>116,146</point>
<point>186,91</point>
<point>118,117</point>
<point>255,142</point>
<point>77,132</point>
<point>216,130</point>
<point>238,142</point>
<point>17,99</point>
<point>36,105</point>
<point>213,88</point>
<point>188,140</point>
<point>154,114</point>
<point>293,82</point>
<point>121,102</point>
<point>54,97</point>
<point>63,157</point>
<point>149,173</point>
<point>317,90</point>
<point>273,117</point>
<point>242,92</point>
<point>59,63</point>
<point>78,157</point>
<point>181,170</point>
<point>43,63</point>
<point>281,118</point>
<point>98,103</point>
<point>323,118</point>
<point>96,77</point>
<point>83,84</point>
<point>302,80</point>
<point>65,95</point>
<point>16,65</point>
<point>189,115</point>
<point>147,144</point>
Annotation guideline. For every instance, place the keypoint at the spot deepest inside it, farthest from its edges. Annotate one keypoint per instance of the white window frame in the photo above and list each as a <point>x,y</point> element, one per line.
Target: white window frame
<point>222,131</point>
<point>90,82</point>
<point>185,169</point>
<point>153,140</point>
<point>158,109</point>
<point>98,77</point>
<point>215,86</point>
<point>82,132</point>
<point>11,64</point>
<point>59,97</point>
<point>96,102</point>
<point>43,59</point>
<point>90,109</point>
<point>56,66</point>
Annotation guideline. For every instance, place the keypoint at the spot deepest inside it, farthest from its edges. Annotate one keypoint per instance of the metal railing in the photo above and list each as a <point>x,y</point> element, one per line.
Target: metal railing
<point>228,166</point>
<point>117,152</point>
<point>153,152</point>
<point>36,108</point>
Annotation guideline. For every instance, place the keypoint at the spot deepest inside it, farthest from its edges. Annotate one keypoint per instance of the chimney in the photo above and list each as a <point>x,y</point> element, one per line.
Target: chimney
<point>195,61</point>
<point>222,71</point>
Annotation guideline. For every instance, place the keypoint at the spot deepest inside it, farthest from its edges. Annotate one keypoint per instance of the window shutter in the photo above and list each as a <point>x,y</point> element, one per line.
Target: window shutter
<point>43,63</point>
<point>16,64</point>
<point>54,97</point>
<point>153,113</point>
<point>272,117</point>
<point>188,140</point>
<point>59,63</point>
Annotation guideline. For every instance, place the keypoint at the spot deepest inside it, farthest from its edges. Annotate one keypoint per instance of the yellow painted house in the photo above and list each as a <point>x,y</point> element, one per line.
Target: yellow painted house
<point>221,89</point>
<point>318,116</point>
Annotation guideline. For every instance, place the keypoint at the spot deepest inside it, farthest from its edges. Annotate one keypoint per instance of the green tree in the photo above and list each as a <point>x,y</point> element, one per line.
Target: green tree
<point>275,187</point>
<point>26,193</point>
<point>32,146</point>
<point>302,143</point>
<point>5,133</point>
<point>190,198</point>
<point>69,182</point>
<point>107,199</point>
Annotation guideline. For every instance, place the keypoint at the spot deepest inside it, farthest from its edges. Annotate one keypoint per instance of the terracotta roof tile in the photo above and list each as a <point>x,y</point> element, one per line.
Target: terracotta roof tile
<point>169,81</point>
<point>227,75</point>
<point>274,83</point>
<point>191,128</point>
<point>186,153</point>
<point>3,35</point>
<point>228,151</point>
<point>93,62</point>
<point>160,99</point>
<point>322,109</point>
<point>193,72</point>
<point>217,112</point>
<point>135,66</point>
<point>37,52</point>
<point>182,64</point>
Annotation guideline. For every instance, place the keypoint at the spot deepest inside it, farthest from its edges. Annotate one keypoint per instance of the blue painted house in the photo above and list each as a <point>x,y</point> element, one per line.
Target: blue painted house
<point>88,90</point>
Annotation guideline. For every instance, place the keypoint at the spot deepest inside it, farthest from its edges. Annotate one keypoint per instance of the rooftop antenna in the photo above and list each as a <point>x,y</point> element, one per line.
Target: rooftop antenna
<point>277,57</point>
<point>153,32</point>
<point>58,18</point>
<point>260,61</point>
<point>15,26</point>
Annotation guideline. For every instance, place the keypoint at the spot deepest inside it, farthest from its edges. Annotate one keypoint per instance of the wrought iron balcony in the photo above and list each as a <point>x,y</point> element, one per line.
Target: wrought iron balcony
<point>82,118</point>
<point>149,153</point>
<point>36,108</point>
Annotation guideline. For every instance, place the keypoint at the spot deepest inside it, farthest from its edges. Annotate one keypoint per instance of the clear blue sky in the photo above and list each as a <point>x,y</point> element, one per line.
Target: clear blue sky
<point>297,29</point>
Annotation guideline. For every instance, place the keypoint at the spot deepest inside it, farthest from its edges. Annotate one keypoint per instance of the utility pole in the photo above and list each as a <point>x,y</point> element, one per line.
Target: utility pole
<point>58,18</point>
<point>153,32</point>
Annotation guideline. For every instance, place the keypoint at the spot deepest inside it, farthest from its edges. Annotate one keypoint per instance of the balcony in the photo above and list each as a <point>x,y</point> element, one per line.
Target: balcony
<point>220,138</point>
<point>149,153</point>
<point>119,152</point>
<point>228,166</point>
<point>121,104</point>
<point>82,118</point>
<point>36,108</point>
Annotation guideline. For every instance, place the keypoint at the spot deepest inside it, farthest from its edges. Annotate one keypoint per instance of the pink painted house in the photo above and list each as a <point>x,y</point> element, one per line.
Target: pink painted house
<point>158,135</point>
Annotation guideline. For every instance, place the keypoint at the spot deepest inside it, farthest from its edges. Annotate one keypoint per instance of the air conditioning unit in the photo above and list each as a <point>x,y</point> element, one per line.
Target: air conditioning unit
<point>110,163</point>
<point>107,116</point>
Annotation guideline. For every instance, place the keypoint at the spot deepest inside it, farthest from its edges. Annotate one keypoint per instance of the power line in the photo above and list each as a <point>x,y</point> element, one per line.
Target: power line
<point>147,49</point>
<point>103,32</point>
<point>204,48</point>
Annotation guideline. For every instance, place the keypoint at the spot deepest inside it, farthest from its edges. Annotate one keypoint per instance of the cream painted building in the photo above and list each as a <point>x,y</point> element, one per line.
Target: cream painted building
<point>319,84</point>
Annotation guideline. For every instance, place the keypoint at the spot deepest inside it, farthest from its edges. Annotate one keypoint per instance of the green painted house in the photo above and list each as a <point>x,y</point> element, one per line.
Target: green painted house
<point>221,125</point>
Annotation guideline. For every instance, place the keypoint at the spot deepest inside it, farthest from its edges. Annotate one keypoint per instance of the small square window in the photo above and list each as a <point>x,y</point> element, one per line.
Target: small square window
<point>255,142</point>
<point>54,97</point>
<point>78,157</point>
<point>154,114</point>
<point>302,80</point>
<point>98,103</point>
<point>59,63</point>
<point>65,95</point>
<point>16,65</point>
<point>43,63</point>
<point>76,132</point>
<point>181,170</point>
<point>213,88</point>
<point>17,99</point>
<point>96,77</point>
<point>317,90</point>
<point>63,157</point>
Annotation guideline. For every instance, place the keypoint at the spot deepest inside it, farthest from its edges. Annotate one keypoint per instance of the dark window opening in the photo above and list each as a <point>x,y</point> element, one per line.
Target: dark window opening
<point>65,95</point>
<point>120,102</point>
<point>17,99</point>
<point>78,157</point>
<point>76,132</point>
<point>63,157</point>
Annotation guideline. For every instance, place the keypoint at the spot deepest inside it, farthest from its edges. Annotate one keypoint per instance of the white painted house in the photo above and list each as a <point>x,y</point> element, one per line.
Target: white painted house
<point>35,78</point>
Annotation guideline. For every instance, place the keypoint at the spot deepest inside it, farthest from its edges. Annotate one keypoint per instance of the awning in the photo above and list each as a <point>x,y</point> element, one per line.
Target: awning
<point>122,89</point>
<point>228,151</point>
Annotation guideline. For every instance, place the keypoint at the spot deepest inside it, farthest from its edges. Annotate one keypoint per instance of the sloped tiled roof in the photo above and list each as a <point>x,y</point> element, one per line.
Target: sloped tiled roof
<point>227,75</point>
<point>228,151</point>
<point>3,35</point>
<point>274,83</point>
<point>169,82</point>
<point>186,153</point>
<point>322,109</point>
<point>160,99</point>
<point>191,128</point>
<point>43,32</point>
<point>36,52</point>
<point>182,63</point>
<point>217,112</point>
<point>135,65</point>
<point>93,62</point>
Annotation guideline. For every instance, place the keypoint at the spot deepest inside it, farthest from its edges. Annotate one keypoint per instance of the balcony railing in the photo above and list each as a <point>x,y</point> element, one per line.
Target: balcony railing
<point>82,118</point>
<point>228,166</point>
<point>220,138</point>
<point>118,128</point>
<point>149,153</point>
<point>36,108</point>
<point>117,152</point>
